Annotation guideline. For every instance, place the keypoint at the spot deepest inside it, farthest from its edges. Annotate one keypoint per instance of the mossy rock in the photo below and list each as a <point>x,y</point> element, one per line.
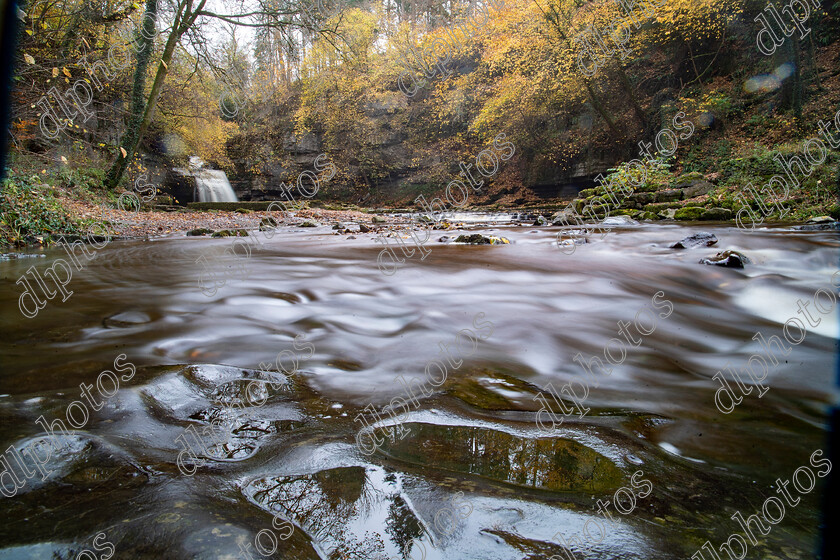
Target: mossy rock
<point>642,197</point>
<point>199,231</point>
<point>243,211</point>
<point>587,193</point>
<point>624,212</point>
<point>689,213</point>
<point>309,223</point>
<point>717,214</point>
<point>650,216</point>
<point>553,464</point>
<point>230,233</point>
<point>686,179</point>
<point>660,206</point>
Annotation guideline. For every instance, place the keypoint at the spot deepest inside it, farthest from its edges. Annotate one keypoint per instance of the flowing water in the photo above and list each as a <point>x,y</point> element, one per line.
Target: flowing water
<point>467,474</point>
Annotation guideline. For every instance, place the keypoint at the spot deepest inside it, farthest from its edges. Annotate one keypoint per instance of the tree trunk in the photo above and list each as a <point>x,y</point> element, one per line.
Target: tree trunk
<point>133,133</point>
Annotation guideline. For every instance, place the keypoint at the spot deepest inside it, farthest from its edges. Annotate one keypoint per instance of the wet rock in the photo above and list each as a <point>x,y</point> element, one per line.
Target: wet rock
<point>555,464</point>
<point>267,224</point>
<point>230,233</point>
<point>445,239</point>
<point>689,213</point>
<point>729,259</point>
<point>703,238</point>
<point>619,221</point>
<point>425,219</point>
<point>352,237</point>
<point>10,256</point>
<point>378,220</point>
<point>309,223</point>
<point>716,214</point>
<point>649,216</point>
<point>126,319</point>
<point>820,220</point>
<point>478,239</point>
<point>819,227</point>
<point>363,228</point>
<point>199,231</point>
<point>540,221</point>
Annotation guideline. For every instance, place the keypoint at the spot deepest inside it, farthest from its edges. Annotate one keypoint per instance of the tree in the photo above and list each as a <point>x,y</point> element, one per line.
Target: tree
<point>185,19</point>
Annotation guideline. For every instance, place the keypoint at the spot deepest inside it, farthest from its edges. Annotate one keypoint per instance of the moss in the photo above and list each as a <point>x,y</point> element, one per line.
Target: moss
<point>689,213</point>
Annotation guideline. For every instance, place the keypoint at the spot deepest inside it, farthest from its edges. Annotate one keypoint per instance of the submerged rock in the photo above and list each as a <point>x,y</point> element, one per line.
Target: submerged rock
<point>478,239</point>
<point>555,464</point>
<point>729,259</point>
<point>703,238</point>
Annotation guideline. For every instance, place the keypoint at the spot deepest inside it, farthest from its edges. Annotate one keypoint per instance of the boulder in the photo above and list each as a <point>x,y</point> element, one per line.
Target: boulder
<point>703,238</point>
<point>309,223</point>
<point>716,214</point>
<point>230,233</point>
<point>378,220</point>
<point>478,239</point>
<point>669,195</point>
<point>689,213</point>
<point>729,259</point>
<point>697,188</point>
<point>199,231</point>
<point>642,198</point>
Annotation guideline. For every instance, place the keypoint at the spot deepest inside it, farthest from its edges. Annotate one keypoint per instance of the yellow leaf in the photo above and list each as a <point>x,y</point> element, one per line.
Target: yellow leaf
<point>124,153</point>
<point>66,72</point>
<point>55,72</point>
<point>28,58</point>
<point>29,32</point>
<point>164,64</point>
<point>63,159</point>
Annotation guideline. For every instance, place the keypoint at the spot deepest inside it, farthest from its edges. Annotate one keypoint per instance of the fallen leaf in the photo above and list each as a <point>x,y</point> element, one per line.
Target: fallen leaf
<point>124,153</point>
<point>28,58</point>
<point>63,159</point>
<point>55,72</point>
<point>66,72</point>
<point>164,64</point>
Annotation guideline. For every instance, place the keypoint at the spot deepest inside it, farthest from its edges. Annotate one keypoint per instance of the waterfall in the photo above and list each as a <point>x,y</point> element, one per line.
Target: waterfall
<point>212,185</point>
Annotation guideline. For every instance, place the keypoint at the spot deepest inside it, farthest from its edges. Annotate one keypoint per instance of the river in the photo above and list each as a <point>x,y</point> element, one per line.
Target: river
<point>474,452</point>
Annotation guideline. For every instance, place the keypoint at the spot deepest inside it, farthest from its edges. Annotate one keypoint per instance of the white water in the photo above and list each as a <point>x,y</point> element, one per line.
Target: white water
<point>212,185</point>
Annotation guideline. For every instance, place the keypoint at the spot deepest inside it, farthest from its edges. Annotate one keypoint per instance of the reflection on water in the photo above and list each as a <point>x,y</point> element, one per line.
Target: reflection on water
<point>295,456</point>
